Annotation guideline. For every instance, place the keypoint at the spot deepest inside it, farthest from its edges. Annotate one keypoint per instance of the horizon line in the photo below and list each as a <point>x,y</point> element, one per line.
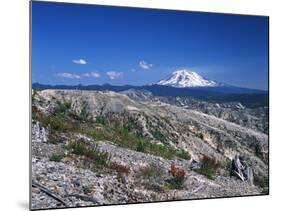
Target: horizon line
<point>85,85</point>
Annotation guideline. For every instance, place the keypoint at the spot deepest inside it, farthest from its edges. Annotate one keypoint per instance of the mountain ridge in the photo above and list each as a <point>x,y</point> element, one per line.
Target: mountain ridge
<point>250,97</point>
<point>219,89</point>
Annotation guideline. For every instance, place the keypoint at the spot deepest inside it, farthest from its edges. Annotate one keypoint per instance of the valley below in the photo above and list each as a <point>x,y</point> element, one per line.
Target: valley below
<point>99,147</point>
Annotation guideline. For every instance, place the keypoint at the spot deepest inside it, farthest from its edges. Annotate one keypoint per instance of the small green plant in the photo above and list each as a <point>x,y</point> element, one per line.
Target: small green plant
<point>62,107</point>
<point>101,134</point>
<point>84,114</point>
<point>77,147</point>
<point>57,123</point>
<point>56,157</point>
<point>87,189</point>
<point>101,120</point>
<point>151,171</point>
<point>183,154</point>
<point>161,150</point>
<point>227,166</point>
<point>100,158</point>
<point>208,167</point>
<point>158,135</point>
<point>140,146</point>
<point>53,138</point>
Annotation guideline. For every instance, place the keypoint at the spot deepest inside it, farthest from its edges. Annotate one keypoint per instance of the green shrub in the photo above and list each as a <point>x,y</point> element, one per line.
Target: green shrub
<point>101,120</point>
<point>183,154</point>
<point>151,171</point>
<point>57,123</point>
<point>100,158</point>
<point>91,152</point>
<point>84,114</point>
<point>158,135</point>
<point>208,167</point>
<point>226,164</point>
<point>140,146</point>
<point>87,189</point>
<point>161,150</point>
<point>129,124</point>
<point>62,107</point>
<point>77,147</point>
<point>100,134</point>
<point>53,137</point>
<point>56,157</point>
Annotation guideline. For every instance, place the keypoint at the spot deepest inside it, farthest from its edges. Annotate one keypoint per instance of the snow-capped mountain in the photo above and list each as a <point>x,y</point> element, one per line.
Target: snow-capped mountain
<point>185,78</point>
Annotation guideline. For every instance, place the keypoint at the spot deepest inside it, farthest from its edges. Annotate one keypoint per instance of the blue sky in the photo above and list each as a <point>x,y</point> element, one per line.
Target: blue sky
<point>74,44</point>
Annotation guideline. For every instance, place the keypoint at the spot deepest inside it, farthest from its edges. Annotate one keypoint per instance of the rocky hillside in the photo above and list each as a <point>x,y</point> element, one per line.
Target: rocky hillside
<point>103,147</point>
<point>251,117</point>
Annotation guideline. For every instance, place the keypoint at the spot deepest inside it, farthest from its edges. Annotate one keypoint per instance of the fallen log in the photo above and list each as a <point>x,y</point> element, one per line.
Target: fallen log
<point>239,175</point>
<point>48,192</point>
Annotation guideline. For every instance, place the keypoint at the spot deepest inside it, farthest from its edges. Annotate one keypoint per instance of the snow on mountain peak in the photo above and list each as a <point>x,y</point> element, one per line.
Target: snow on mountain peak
<point>185,78</point>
